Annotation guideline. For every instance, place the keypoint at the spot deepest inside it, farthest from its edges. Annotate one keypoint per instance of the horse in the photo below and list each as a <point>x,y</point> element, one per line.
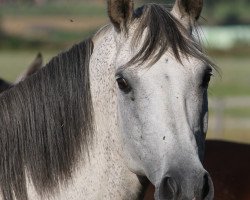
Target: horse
<point>4,85</point>
<point>227,163</point>
<point>125,105</point>
<point>34,67</point>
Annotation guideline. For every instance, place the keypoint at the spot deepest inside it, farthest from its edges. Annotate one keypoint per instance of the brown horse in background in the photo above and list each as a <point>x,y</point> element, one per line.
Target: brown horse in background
<point>34,67</point>
<point>229,166</point>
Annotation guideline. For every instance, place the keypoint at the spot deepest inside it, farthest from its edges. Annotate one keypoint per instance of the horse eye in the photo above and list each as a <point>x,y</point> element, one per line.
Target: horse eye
<point>206,79</point>
<point>123,84</point>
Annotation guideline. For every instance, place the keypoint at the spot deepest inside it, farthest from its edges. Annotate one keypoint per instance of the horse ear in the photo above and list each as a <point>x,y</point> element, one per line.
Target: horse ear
<point>34,67</point>
<point>187,11</point>
<point>120,13</point>
<point>4,85</point>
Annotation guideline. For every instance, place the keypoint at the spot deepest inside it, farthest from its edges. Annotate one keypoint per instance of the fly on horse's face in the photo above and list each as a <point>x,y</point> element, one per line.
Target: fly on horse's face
<point>162,97</point>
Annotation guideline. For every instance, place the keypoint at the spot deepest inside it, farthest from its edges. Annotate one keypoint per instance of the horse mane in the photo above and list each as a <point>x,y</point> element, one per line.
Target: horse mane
<point>45,123</point>
<point>163,32</point>
<point>4,85</point>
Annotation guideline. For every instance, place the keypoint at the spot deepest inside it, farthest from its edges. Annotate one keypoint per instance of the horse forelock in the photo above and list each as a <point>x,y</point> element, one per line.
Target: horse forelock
<point>46,123</point>
<point>163,32</point>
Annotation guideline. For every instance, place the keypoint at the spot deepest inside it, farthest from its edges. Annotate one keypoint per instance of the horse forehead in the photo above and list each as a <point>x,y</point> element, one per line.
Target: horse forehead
<point>168,66</point>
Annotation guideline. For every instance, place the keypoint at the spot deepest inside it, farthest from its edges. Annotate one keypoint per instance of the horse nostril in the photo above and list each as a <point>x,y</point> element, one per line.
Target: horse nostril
<point>168,188</point>
<point>207,190</point>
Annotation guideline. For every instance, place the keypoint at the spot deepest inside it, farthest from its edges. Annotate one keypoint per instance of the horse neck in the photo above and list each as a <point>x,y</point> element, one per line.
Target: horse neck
<point>107,147</point>
<point>101,174</point>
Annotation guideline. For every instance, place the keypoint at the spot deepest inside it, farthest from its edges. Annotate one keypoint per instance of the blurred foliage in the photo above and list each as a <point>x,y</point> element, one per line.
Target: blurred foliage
<point>49,36</point>
<point>227,12</point>
<point>54,8</point>
<point>216,12</point>
<point>234,79</point>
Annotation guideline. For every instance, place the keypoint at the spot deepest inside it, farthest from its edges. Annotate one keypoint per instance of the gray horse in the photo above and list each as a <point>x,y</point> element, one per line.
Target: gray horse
<point>70,132</point>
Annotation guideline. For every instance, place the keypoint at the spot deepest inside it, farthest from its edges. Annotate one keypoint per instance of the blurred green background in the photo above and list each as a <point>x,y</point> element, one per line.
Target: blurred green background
<point>31,26</point>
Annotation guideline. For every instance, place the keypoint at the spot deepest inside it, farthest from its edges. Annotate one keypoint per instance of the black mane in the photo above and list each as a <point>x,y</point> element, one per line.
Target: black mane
<point>45,123</point>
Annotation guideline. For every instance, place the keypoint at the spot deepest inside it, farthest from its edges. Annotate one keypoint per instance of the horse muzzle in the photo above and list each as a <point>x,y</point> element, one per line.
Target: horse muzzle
<point>177,187</point>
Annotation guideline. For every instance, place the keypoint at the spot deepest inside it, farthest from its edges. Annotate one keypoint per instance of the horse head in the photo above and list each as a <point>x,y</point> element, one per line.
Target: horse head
<point>162,77</point>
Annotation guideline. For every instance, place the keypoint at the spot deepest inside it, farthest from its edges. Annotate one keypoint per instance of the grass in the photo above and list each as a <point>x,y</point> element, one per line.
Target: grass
<point>50,39</point>
<point>54,25</point>
<point>234,79</point>
<point>226,12</point>
<point>238,9</point>
<point>238,112</point>
<point>235,71</point>
<point>240,135</point>
<point>233,112</point>
<point>13,63</point>
<point>66,37</point>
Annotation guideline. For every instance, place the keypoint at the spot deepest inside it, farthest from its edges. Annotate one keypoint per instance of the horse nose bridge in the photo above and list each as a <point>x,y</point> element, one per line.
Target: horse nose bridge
<point>185,112</point>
